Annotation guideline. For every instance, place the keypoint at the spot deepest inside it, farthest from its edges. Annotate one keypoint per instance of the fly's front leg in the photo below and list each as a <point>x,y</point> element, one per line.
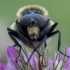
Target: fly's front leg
<point>43,40</point>
<point>13,34</point>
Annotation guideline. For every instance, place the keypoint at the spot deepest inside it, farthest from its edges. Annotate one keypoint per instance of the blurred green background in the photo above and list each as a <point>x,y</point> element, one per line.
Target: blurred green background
<point>59,11</point>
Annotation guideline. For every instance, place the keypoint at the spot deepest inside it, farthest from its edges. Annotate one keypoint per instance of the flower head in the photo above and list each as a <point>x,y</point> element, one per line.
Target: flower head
<point>36,63</point>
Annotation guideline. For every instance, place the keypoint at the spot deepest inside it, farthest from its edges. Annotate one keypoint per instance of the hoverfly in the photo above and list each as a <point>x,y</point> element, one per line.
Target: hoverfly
<point>33,25</point>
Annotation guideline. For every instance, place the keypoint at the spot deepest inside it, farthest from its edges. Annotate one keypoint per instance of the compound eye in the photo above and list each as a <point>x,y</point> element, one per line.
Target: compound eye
<point>23,22</point>
<point>41,21</point>
<point>38,19</point>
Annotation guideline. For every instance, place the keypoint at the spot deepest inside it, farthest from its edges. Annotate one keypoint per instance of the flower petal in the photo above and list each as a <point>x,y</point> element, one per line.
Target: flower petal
<point>11,53</point>
<point>2,66</point>
<point>50,63</point>
<point>67,64</point>
<point>68,51</point>
<point>55,56</point>
<point>10,66</point>
<point>33,62</point>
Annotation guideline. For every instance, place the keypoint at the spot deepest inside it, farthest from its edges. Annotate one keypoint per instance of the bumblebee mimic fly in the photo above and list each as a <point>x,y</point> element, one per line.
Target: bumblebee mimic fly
<point>33,25</point>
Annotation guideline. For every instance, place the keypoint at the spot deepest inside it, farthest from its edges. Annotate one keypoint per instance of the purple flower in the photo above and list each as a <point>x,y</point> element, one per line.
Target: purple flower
<point>35,63</point>
<point>11,53</point>
<point>11,58</point>
<point>19,64</point>
<point>50,64</point>
<point>2,67</point>
<point>67,64</point>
